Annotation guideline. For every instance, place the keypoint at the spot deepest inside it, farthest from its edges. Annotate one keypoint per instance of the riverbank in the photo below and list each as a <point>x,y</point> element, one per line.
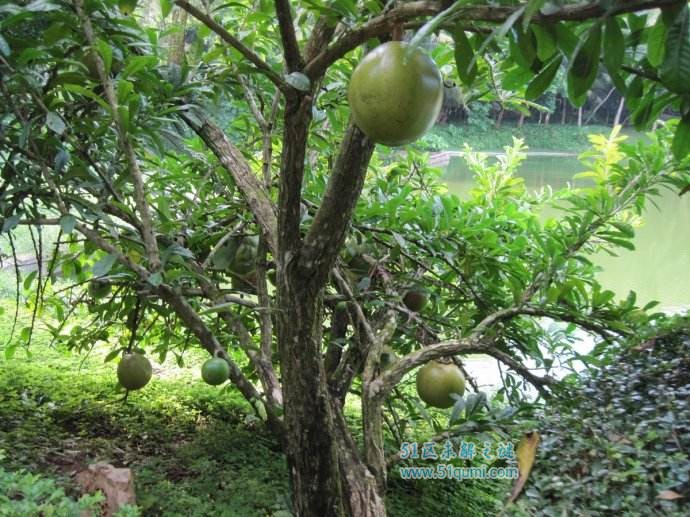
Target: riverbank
<point>554,137</point>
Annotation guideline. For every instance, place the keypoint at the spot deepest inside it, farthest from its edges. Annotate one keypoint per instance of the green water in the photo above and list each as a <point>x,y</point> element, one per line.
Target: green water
<point>658,268</point>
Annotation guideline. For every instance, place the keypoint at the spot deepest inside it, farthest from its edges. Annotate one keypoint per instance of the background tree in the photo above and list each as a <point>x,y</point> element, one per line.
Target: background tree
<point>156,169</point>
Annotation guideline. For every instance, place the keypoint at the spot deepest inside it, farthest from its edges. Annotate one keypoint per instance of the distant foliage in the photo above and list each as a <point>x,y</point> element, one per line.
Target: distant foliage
<point>619,445</point>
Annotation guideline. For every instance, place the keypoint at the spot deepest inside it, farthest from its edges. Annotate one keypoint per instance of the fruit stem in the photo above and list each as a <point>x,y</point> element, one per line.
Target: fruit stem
<point>397,32</point>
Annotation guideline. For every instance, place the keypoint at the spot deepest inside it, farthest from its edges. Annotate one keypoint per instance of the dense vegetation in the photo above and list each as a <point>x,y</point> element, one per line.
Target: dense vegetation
<point>220,189</point>
<point>620,444</point>
<point>194,449</point>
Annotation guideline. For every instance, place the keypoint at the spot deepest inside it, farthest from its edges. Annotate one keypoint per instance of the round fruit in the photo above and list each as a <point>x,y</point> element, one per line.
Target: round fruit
<point>416,299</point>
<point>215,371</point>
<point>127,6</point>
<point>98,289</point>
<point>134,371</point>
<point>388,357</point>
<point>89,60</point>
<point>436,381</point>
<point>395,98</point>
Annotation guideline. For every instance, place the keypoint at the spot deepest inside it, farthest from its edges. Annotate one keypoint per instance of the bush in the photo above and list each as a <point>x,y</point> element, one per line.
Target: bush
<point>23,493</point>
<point>620,445</point>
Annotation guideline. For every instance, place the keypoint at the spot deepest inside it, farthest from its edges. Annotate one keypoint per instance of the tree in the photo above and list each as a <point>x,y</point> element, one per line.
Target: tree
<point>97,136</point>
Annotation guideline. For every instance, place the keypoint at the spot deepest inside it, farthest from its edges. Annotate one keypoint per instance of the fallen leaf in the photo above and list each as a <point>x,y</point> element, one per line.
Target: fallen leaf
<point>526,452</point>
<point>669,495</point>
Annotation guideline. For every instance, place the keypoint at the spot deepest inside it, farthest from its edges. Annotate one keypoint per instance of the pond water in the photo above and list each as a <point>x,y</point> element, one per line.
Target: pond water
<point>658,268</point>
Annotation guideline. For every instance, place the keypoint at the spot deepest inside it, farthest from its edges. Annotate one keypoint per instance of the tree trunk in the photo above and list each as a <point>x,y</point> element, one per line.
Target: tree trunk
<point>579,116</point>
<point>328,476</point>
<point>176,42</point>
<point>499,118</point>
<point>564,110</point>
<point>521,120</point>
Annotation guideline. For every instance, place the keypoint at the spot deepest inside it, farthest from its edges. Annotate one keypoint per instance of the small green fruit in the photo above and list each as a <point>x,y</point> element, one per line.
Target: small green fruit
<point>436,381</point>
<point>388,357</point>
<point>395,97</point>
<point>416,299</point>
<point>99,289</point>
<point>127,6</point>
<point>134,371</point>
<point>215,371</point>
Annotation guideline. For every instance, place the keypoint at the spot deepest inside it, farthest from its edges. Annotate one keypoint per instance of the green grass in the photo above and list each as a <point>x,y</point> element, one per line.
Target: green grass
<point>554,137</point>
<point>195,450</point>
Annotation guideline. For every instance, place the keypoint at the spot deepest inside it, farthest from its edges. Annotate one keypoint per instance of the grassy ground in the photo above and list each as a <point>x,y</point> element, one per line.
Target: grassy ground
<point>195,450</point>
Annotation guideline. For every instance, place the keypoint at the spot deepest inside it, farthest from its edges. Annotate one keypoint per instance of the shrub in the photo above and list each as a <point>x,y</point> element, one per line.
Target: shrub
<point>23,493</point>
<point>620,445</point>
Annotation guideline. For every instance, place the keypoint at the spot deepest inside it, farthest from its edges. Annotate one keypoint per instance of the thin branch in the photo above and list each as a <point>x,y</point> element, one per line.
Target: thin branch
<point>137,178</point>
<point>231,40</point>
<point>293,59</point>
<point>408,11</point>
<point>327,232</point>
<point>253,191</point>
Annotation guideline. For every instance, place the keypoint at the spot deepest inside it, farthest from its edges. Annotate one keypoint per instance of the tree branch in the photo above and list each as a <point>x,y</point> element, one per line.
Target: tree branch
<point>293,59</point>
<point>327,232</point>
<point>254,193</point>
<point>385,22</point>
<point>137,178</point>
<point>231,40</point>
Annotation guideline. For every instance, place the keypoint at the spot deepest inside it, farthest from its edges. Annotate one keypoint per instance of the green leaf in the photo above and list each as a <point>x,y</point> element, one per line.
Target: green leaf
<point>155,279</point>
<point>464,57</point>
<point>104,265</point>
<point>29,279</point>
<point>681,140</point>
<point>546,42</point>
<point>584,66</point>
<point>4,47</point>
<point>112,355</point>
<point>106,54</point>
<point>434,24</point>
<point>55,123</point>
<point>675,69</point>
<point>298,81</point>
<point>656,43</point>
<point>166,7</point>
<point>10,223</point>
<point>61,159</point>
<point>614,45</point>
<point>67,223</point>
<point>531,9</point>
<point>543,79</point>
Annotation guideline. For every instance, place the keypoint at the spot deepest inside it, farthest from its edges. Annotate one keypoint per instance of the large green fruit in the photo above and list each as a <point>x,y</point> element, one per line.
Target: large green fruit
<point>436,381</point>
<point>416,299</point>
<point>395,98</point>
<point>238,255</point>
<point>215,371</point>
<point>134,371</point>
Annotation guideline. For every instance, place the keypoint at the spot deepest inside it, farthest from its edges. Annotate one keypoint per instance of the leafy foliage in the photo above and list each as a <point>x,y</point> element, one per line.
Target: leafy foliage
<point>23,493</point>
<point>134,161</point>
<point>619,443</point>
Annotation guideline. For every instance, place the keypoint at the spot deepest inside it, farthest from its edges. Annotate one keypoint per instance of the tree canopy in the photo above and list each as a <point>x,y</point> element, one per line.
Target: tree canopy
<point>186,167</point>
